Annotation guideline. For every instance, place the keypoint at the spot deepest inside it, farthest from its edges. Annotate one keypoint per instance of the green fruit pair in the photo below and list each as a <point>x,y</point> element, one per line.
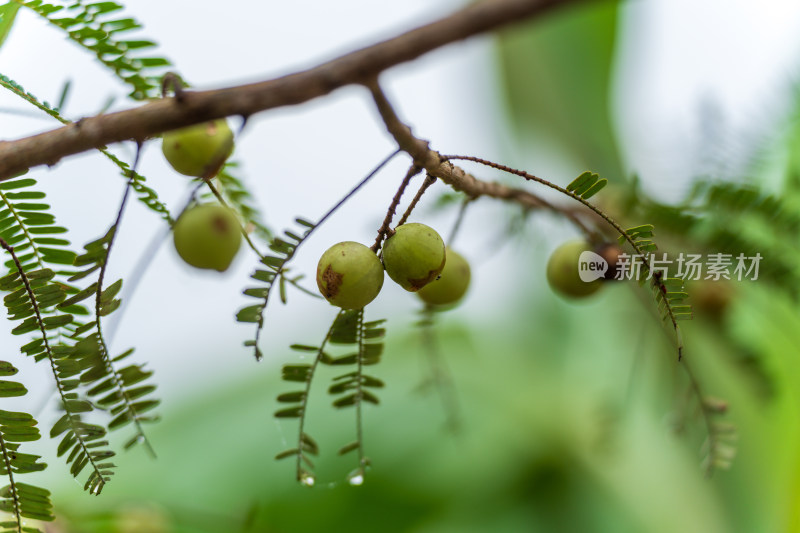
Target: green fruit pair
<point>350,275</point>
<point>207,236</point>
<point>198,150</point>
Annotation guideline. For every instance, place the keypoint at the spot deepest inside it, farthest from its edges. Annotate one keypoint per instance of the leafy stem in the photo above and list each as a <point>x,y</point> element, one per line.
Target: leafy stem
<point>12,483</point>
<point>99,479</point>
<point>362,461</point>
<point>656,278</point>
<point>310,376</point>
<point>99,304</point>
<point>385,229</point>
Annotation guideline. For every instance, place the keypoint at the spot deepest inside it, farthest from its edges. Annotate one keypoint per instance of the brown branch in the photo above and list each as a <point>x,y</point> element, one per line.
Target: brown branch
<point>437,166</point>
<point>163,115</point>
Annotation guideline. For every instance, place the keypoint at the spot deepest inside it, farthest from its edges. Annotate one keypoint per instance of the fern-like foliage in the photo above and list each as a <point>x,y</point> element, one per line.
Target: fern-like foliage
<point>296,403</point>
<point>642,237</point>
<point>42,296</point>
<point>587,185</point>
<point>20,500</point>
<point>733,218</point>
<point>120,391</point>
<point>33,293</point>
<point>146,195</point>
<point>352,389</point>
<point>8,12</point>
<point>98,27</point>
<point>274,272</point>
<point>669,292</point>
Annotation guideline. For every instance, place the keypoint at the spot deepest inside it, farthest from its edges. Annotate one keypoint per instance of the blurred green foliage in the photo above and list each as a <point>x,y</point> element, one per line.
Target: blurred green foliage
<point>575,418</point>
<point>556,81</point>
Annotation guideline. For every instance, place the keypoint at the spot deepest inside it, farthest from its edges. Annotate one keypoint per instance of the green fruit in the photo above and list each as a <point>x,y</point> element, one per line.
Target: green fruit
<point>413,256</point>
<point>207,236</point>
<point>563,271</point>
<point>349,275</point>
<point>452,283</point>
<point>198,150</point>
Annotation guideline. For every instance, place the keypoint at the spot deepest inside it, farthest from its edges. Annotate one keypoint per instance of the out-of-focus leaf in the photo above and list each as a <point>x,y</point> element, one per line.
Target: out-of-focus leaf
<point>556,75</point>
<point>8,13</point>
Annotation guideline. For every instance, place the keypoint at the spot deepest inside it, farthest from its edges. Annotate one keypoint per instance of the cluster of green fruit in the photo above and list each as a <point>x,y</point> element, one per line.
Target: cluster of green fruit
<point>350,275</point>
<point>206,236</point>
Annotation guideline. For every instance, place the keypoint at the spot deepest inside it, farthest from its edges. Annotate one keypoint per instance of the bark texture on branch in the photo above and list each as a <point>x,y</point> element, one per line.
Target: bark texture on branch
<point>198,106</point>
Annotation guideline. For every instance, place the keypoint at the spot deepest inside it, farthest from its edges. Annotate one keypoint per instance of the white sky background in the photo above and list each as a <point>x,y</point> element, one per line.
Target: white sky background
<point>734,53</point>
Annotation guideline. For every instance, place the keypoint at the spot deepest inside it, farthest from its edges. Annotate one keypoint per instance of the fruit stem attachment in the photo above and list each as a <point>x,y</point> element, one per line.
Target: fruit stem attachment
<point>173,81</point>
<point>437,165</point>
<point>385,229</point>
<point>246,236</point>
<point>429,180</point>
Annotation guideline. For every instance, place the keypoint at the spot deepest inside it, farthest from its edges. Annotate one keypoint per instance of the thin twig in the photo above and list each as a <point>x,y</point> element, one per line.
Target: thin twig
<point>459,219</point>
<point>106,354</point>
<point>429,180</point>
<point>386,229</point>
<point>307,392</point>
<point>362,460</point>
<point>243,229</point>
<point>441,376</point>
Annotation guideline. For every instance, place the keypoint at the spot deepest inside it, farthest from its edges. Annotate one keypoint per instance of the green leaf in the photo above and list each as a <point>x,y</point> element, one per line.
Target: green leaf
<point>347,448</point>
<point>594,189</point>
<point>292,397</point>
<point>580,181</point>
<point>16,183</point>
<point>8,13</point>
<point>7,369</point>
<point>287,453</point>
<point>291,412</point>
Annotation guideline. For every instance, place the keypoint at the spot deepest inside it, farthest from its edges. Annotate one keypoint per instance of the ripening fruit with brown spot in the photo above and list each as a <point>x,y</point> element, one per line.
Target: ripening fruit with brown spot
<point>198,150</point>
<point>563,274</point>
<point>349,275</point>
<point>414,256</point>
<point>207,236</point>
<point>452,283</point>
